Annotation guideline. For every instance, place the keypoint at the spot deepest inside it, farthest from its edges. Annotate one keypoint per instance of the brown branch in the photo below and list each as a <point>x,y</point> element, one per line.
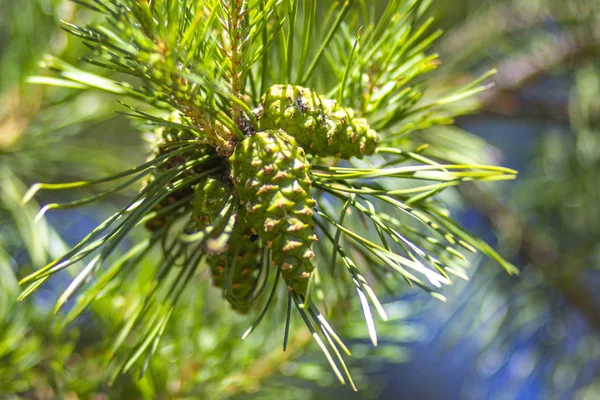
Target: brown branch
<point>579,41</point>
<point>522,69</point>
<point>481,29</point>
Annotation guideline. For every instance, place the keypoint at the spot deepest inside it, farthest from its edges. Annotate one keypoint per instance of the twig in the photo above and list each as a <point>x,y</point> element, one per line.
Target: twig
<point>522,69</point>
<point>575,44</point>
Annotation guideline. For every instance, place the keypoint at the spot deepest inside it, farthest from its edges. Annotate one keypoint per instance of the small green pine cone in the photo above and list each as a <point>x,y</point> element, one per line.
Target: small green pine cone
<point>321,126</point>
<point>211,195</point>
<point>162,139</point>
<point>270,173</point>
<point>246,250</point>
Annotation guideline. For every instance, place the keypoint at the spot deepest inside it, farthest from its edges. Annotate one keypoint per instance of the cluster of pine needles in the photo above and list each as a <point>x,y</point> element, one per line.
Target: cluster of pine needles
<point>195,73</point>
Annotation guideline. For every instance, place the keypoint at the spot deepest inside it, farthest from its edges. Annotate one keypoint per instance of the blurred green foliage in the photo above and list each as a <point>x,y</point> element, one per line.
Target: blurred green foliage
<point>25,29</point>
<point>551,224</point>
<point>544,325</point>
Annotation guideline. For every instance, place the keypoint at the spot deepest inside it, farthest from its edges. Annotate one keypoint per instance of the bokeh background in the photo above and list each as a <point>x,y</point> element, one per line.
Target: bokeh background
<point>535,336</point>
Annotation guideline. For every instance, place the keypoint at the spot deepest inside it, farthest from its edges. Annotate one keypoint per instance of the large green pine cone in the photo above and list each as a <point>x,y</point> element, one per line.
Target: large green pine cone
<point>270,173</point>
<point>321,126</point>
<point>210,197</point>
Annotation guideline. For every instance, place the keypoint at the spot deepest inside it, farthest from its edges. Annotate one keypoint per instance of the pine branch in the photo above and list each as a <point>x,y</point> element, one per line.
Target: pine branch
<point>235,32</point>
<point>231,178</point>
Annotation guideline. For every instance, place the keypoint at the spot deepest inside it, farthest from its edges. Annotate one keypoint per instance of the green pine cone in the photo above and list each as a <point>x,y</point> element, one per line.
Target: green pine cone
<point>270,173</point>
<point>321,126</point>
<point>163,138</point>
<point>210,197</point>
<point>244,256</point>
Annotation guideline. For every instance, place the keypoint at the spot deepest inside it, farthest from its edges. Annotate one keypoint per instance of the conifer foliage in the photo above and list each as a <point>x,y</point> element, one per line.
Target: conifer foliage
<point>282,159</point>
